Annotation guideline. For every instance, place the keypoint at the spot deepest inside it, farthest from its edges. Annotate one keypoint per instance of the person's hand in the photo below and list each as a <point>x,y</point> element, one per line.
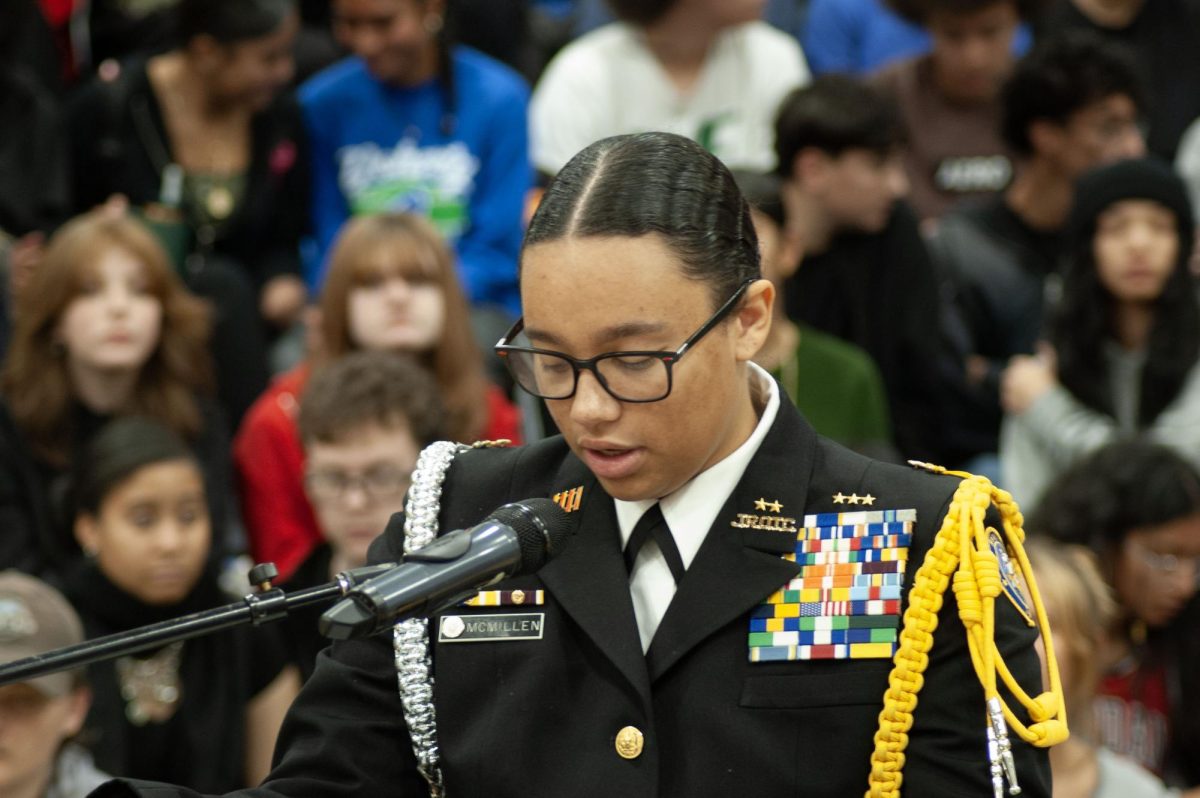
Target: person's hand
<point>282,300</point>
<point>1027,379</point>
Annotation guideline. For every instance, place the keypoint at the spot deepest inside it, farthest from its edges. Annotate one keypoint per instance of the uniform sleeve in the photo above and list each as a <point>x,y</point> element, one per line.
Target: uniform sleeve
<point>947,753</point>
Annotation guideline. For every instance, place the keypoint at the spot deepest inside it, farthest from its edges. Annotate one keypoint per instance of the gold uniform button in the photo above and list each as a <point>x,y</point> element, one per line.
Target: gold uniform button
<point>630,742</point>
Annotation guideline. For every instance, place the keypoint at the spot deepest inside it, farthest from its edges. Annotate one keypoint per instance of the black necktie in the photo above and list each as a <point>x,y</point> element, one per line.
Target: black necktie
<point>653,525</point>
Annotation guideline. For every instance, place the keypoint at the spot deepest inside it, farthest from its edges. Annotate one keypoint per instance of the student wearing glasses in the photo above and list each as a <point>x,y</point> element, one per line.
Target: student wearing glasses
<point>363,420</point>
<point>1136,504</point>
<point>670,655</point>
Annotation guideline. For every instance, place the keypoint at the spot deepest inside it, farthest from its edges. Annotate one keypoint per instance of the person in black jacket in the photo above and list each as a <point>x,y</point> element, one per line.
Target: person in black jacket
<point>867,277</point>
<point>715,659</point>
<point>203,143</point>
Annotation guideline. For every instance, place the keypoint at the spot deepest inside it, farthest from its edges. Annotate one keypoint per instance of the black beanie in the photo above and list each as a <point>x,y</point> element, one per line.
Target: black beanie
<point>1142,178</point>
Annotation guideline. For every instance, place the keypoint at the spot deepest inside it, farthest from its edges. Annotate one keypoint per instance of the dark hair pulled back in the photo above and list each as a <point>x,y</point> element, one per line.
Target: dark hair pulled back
<point>638,184</point>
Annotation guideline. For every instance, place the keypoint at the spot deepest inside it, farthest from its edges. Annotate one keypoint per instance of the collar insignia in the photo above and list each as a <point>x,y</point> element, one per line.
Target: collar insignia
<point>569,500</point>
<point>776,522</point>
<point>853,498</point>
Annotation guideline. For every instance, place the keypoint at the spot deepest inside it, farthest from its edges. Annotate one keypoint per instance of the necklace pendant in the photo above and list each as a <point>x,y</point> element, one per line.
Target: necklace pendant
<point>219,202</point>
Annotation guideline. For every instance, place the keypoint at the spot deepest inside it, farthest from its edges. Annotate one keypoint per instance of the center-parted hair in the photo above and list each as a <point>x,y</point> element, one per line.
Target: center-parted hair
<point>643,183</point>
<point>36,381</point>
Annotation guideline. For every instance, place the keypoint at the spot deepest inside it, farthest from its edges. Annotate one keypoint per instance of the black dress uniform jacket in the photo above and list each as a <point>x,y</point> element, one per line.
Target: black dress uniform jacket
<point>540,717</point>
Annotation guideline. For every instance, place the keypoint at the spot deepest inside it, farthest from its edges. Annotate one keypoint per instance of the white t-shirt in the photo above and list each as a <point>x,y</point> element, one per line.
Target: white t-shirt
<point>608,82</point>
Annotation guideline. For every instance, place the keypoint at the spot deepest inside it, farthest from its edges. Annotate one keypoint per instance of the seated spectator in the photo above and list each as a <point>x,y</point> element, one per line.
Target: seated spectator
<point>1072,104</point>
<point>105,329</point>
<point>710,70</point>
<point>950,99</point>
<point>1081,609</point>
<point>40,718</point>
<point>867,277</point>
<point>1124,348</point>
<point>1162,35</point>
<point>1137,506</point>
<point>203,144</point>
<point>363,420</point>
<point>413,123</point>
<point>391,287</point>
<point>834,383</point>
<point>204,712</point>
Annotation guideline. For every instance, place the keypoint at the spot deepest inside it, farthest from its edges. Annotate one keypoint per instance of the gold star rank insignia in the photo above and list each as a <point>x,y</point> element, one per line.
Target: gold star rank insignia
<point>867,500</point>
<point>775,506</point>
<point>760,504</point>
<point>853,498</point>
<point>840,498</point>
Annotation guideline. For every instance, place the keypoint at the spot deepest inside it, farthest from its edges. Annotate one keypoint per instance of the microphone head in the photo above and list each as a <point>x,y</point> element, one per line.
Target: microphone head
<point>542,528</point>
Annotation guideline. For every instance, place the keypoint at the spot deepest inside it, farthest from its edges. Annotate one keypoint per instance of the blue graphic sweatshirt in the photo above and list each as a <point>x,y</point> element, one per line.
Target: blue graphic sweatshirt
<point>378,148</point>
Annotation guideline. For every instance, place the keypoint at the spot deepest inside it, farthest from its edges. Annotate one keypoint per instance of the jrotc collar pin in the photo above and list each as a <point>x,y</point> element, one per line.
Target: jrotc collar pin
<point>569,500</point>
<point>774,522</point>
<point>853,498</point>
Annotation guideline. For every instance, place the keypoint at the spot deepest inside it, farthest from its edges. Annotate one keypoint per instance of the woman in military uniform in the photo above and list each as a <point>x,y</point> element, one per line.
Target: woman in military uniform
<point>755,643</point>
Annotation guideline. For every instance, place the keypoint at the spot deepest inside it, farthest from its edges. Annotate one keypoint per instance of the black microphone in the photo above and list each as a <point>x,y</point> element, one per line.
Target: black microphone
<point>517,538</point>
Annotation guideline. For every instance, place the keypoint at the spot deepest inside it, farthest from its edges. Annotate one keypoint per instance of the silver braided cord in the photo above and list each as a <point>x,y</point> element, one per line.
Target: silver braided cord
<point>414,667</point>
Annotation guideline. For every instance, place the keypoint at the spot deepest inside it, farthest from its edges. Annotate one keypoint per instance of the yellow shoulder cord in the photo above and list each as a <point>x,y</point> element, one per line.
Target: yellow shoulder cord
<point>961,554</point>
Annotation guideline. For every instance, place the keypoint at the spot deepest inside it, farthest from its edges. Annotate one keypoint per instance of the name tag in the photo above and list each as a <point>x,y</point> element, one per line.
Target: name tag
<point>491,628</point>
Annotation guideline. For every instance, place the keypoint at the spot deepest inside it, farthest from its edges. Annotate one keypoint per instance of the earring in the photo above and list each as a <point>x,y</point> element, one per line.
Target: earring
<point>433,24</point>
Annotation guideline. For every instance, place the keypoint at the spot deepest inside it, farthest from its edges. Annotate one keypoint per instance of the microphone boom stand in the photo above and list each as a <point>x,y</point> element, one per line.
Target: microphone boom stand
<point>268,605</point>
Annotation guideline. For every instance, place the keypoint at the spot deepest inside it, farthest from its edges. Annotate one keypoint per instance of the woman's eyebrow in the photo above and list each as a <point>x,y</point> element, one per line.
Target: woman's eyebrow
<point>613,332</point>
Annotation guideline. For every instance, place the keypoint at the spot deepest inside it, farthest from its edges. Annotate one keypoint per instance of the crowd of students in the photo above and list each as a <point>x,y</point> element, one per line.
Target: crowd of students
<point>255,253</point>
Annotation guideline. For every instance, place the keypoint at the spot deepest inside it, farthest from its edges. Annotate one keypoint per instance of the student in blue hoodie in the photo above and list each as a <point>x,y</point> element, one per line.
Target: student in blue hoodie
<point>412,123</point>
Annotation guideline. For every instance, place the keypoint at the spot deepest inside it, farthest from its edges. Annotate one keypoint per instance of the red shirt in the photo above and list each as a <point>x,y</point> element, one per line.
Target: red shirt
<point>1132,713</point>
<point>281,526</point>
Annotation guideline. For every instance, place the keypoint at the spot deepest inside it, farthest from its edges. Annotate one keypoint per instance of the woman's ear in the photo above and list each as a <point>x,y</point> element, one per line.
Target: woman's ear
<point>87,534</point>
<point>753,318</point>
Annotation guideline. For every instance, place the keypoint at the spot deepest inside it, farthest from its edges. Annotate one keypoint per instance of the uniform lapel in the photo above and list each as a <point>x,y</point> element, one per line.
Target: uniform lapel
<point>738,568</point>
<point>589,581</point>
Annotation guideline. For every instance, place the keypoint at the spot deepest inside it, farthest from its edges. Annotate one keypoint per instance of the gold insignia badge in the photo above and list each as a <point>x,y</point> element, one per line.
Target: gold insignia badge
<point>770,523</point>
<point>853,498</point>
<point>569,500</point>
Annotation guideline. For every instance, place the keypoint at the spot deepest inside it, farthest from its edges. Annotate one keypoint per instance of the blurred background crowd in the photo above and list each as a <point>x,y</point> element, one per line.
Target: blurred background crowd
<point>254,255</point>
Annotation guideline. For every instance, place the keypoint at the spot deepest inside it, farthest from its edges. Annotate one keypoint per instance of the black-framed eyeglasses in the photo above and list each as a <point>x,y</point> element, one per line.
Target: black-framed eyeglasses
<point>628,376</point>
<point>378,482</point>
